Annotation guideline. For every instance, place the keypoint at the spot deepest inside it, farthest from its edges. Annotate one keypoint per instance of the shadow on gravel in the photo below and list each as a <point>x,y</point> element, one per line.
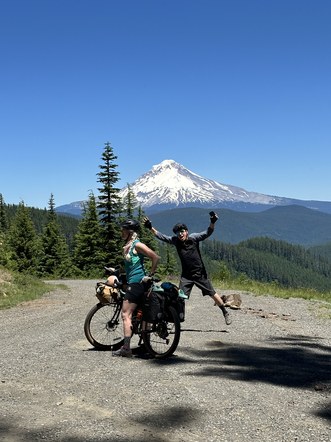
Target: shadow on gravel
<point>324,412</point>
<point>150,427</point>
<point>295,362</point>
<point>169,417</point>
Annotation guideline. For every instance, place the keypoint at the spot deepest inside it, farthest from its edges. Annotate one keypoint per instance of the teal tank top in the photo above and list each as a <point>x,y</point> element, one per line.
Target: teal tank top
<point>134,268</point>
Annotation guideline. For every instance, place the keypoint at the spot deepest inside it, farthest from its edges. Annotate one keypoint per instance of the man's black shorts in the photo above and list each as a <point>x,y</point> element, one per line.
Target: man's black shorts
<point>202,283</point>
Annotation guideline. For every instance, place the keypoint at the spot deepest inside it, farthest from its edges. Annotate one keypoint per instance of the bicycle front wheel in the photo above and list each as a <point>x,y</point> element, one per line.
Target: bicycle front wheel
<point>161,339</point>
<point>103,326</point>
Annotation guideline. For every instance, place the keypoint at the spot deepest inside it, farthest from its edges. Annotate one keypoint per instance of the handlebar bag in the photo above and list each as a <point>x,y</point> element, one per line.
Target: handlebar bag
<point>105,293</point>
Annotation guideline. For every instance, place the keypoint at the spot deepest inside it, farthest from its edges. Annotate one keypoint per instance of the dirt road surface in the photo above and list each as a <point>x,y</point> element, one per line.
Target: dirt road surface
<point>266,377</point>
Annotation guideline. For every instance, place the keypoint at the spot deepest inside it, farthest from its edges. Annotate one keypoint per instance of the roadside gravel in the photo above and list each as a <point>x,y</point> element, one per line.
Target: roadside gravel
<point>266,377</point>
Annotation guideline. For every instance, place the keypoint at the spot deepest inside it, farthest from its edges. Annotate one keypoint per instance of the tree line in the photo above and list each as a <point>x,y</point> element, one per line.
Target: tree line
<point>45,244</point>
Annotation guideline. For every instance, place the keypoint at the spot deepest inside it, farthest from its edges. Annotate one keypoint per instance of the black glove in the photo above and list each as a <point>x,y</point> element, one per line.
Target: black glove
<point>213,217</point>
<point>147,223</point>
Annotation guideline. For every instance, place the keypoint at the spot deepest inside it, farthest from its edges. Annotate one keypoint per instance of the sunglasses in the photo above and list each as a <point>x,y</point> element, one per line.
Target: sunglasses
<point>180,232</point>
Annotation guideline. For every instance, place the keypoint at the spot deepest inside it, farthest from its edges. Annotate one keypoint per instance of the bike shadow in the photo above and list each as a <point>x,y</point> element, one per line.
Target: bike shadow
<point>199,330</point>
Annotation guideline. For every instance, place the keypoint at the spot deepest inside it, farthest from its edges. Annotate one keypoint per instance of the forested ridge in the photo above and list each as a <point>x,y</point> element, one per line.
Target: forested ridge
<point>293,224</point>
<point>268,260</point>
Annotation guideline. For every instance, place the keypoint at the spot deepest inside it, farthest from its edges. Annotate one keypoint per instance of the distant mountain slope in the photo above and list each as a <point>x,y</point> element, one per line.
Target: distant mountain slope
<point>294,224</point>
<point>74,209</point>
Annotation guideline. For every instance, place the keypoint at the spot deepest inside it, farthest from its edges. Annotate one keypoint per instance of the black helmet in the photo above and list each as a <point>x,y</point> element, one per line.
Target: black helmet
<point>179,226</point>
<point>130,224</point>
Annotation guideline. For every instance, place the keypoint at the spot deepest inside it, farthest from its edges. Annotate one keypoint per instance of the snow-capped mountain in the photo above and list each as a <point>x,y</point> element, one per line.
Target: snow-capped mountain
<point>171,184</point>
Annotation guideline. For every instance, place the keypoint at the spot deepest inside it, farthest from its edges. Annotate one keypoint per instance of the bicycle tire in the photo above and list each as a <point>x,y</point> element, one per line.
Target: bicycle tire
<point>162,339</point>
<point>103,326</point>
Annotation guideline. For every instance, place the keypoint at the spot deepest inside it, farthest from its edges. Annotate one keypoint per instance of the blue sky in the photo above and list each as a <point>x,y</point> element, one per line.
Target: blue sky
<point>235,90</point>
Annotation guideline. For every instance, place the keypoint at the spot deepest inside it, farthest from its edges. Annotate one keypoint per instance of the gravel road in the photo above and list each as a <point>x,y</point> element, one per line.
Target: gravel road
<point>266,377</point>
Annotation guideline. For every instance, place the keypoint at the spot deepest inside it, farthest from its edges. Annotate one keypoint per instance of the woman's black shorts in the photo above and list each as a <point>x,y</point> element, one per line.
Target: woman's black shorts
<point>134,292</point>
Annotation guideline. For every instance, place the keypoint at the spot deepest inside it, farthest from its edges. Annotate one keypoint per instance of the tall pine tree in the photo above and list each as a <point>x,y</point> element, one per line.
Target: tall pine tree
<point>109,205</point>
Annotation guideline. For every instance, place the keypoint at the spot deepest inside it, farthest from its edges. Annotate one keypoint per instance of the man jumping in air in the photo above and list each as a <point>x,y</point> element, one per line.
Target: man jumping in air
<point>193,268</point>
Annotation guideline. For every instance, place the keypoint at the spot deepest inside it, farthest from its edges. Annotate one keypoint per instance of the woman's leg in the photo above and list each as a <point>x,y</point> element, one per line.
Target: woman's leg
<point>127,310</point>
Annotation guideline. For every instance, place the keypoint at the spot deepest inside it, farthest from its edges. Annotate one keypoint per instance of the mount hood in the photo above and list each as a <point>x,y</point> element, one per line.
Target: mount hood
<point>170,185</point>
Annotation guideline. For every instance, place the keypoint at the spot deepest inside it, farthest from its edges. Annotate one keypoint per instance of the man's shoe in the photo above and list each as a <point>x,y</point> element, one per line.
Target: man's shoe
<point>227,318</point>
<point>124,352</point>
<point>181,294</point>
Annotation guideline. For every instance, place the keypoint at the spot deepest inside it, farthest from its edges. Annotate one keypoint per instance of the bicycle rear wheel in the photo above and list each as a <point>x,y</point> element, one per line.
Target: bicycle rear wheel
<point>103,326</point>
<point>161,339</point>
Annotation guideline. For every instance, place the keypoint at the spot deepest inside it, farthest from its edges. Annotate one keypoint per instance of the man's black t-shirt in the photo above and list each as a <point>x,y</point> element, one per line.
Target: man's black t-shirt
<point>189,252</point>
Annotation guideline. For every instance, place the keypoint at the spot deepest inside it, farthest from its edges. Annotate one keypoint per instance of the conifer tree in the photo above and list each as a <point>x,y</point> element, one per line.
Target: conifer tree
<point>169,263</point>
<point>22,239</point>
<point>130,203</point>
<point>54,256</point>
<point>4,252</point>
<point>133,211</point>
<point>109,205</point>
<point>145,235</point>
<point>3,215</point>
<point>89,254</point>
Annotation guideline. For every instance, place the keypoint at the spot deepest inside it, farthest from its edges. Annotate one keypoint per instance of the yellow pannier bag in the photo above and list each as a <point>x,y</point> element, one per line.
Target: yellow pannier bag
<point>106,293</point>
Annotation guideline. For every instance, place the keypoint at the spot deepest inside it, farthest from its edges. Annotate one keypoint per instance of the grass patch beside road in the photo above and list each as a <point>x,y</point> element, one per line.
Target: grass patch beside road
<point>261,289</point>
<point>272,289</point>
<point>16,288</point>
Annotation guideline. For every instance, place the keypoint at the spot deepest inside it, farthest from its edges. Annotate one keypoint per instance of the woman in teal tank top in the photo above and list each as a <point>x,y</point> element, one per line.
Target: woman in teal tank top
<point>134,252</point>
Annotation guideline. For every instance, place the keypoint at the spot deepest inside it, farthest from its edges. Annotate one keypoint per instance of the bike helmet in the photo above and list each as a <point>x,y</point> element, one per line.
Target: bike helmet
<point>179,226</point>
<point>130,224</point>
